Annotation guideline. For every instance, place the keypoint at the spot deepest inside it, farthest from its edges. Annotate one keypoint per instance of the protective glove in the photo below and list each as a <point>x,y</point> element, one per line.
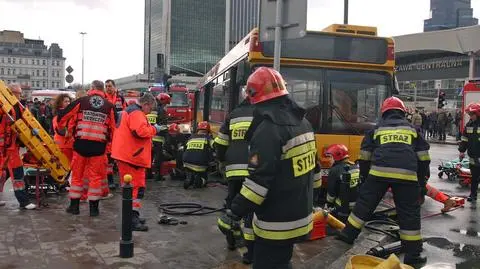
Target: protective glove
<point>160,128</point>
<point>461,156</point>
<point>228,223</point>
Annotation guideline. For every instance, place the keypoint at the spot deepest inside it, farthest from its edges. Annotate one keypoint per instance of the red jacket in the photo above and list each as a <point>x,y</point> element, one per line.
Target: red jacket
<point>117,101</point>
<point>93,121</point>
<point>63,137</point>
<point>132,140</point>
<point>9,142</point>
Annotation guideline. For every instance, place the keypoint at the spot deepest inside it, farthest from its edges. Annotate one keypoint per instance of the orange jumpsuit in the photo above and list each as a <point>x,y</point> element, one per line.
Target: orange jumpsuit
<point>132,147</point>
<point>63,138</point>
<point>93,122</point>
<point>10,156</point>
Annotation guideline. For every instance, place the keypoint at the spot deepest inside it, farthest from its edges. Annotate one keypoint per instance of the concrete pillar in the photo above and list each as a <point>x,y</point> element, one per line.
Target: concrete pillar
<point>471,70</point>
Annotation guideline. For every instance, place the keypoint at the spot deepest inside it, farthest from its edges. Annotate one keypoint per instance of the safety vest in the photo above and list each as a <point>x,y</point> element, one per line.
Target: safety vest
<point>282,162</point>
<point>231,144</point>
<point>94,122</point>
<point>198,153</point>
<point>395,148</point>
<point>132,138</point>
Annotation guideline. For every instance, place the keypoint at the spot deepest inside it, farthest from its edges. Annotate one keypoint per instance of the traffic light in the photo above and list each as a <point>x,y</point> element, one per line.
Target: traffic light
<point>441,100</point>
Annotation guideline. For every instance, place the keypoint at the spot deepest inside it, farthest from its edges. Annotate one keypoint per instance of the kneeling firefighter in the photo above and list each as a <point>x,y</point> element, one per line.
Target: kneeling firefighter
<point>282,160</point>
<point>131,147</point>
<point>343,180</point>
<point>393,155</point>
<point>197,156</point>
<point>232,151</point>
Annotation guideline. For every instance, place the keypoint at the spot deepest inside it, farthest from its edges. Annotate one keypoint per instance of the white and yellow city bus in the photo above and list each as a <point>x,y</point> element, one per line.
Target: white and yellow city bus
<point>340,76</point>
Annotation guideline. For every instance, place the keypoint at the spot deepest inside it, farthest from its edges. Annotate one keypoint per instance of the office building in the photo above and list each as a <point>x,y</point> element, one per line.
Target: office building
<point>244,16</point>
<point>426,64</point>
<point>183,36</point>
<point>30,62</point>
<point>449,14</point>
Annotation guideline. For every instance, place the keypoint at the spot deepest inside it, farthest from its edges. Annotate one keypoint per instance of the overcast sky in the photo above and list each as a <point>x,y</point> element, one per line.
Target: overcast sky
<point>114,40</point>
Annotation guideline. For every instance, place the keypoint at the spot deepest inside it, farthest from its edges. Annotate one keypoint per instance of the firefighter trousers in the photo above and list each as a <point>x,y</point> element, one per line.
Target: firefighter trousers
<point>475,170</point>
<point>15,172</point>
<point>93,169</point>
<point>157,157</point>
<point>272,256</point>
<point>234,187</point>
<point>406,198</point>
<point>138,182</point>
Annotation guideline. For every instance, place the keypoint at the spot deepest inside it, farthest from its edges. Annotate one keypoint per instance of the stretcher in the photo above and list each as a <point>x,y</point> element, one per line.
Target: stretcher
<point>34,137</point>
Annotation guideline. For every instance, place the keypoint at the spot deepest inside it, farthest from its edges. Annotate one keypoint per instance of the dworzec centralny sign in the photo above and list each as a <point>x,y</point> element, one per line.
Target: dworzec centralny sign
<point>424,66</point>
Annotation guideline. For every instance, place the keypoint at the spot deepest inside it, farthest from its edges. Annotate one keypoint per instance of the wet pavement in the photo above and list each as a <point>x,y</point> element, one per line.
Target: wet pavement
<point>51,238</point>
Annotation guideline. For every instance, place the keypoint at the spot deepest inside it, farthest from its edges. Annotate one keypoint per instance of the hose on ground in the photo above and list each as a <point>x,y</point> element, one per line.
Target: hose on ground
<point>393,232</point>
<point>187,209</point>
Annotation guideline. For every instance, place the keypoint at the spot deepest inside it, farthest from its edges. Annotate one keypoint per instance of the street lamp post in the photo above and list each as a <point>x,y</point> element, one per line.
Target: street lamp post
<point>83,56</point>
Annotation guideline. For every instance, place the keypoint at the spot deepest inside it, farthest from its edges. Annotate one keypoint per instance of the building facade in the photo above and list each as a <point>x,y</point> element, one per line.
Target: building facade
<point>449,14</point>
<point>427,64</point>
<point>30,62</point>
<point>243,15</point>
<point>183,36</point>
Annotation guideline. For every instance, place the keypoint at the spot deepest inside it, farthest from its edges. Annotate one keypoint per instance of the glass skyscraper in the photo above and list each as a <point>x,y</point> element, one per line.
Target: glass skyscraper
<point>449,14</point>
<point>244,16</point>
<point>188,36</point>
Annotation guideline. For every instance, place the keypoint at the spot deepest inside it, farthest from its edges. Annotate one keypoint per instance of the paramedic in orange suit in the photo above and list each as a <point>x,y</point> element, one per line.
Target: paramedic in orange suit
<point>132,147</point>
<point>9,151</point>
<point>94,123</point>
<point>63,137</point>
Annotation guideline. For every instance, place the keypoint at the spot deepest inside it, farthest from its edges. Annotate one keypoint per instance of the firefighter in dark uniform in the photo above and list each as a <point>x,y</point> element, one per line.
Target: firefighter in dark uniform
<point>163,100</point>
<point>282,160</point>
<point>197,156</point>
<point>470,142</point>
<point>393,155</point>
<point>343,179</point>
<point>232,151</point>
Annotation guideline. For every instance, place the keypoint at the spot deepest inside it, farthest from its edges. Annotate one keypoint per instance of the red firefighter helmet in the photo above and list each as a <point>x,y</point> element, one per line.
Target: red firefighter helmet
<point>393,103</point>
<point>164,98</point>
<point>337,151</point>
<point>173,129</point>
<point>203,125</point>
<point>265,84</point>
<point>473,108</point>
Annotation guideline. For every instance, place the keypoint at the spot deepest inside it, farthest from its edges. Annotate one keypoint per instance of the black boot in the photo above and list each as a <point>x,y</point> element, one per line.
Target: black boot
<point>342,236</point>
<point>136,223</point>
<point>94,208</point>
<point>247,257</point>
<point>159,177</point>
<point>142,220</point>
<point>472,198</point>
<point>74,207</point>
<point>414,259</point>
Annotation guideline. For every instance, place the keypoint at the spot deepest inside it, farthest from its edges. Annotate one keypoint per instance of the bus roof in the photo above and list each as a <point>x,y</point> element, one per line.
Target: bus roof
<point>328,35</point>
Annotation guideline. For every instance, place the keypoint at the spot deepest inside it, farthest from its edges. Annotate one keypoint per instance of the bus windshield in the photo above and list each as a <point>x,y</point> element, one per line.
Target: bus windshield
<point>179,99</point>
<point>338,101</point>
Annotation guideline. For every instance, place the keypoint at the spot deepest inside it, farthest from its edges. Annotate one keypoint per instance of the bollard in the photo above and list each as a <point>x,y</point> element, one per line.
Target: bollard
<point>126,242</point>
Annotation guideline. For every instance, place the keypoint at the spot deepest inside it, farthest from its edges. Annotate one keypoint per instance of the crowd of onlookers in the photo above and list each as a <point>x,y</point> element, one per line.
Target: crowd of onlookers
<point>436,124</point>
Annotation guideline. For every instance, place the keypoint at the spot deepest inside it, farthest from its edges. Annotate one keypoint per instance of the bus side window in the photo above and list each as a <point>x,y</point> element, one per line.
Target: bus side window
<point>306,88</point>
